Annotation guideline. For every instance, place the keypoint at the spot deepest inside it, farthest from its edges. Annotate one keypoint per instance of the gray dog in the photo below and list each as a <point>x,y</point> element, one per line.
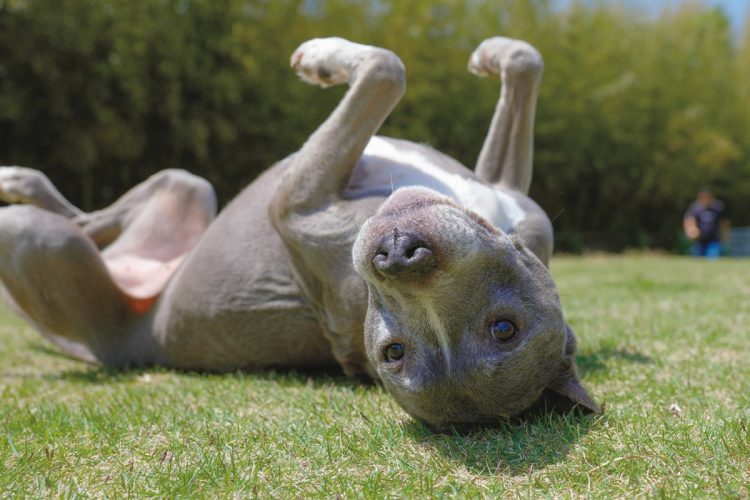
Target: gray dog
<point>384,256</point>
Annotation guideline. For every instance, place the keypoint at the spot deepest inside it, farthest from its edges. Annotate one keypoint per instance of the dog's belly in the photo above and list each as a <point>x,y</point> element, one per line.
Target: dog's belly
<point>234,303</point>
<point>387,165</point>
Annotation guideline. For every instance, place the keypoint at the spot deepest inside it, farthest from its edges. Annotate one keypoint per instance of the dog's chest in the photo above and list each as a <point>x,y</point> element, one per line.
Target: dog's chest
<point>385,167</point>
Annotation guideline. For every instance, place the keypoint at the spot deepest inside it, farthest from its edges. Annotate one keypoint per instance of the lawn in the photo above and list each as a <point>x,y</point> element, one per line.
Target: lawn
<point>664,343</point>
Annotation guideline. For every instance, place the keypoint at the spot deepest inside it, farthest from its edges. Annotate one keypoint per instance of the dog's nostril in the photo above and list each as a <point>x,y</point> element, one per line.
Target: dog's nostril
<point>411,251</point>
<point>417,254</point>
<point>403,256</point>
<point>381,259</point>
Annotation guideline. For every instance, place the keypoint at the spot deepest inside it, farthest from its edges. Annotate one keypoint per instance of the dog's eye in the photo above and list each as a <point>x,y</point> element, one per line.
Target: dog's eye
<point>394,352</point>
<point>503,329</point>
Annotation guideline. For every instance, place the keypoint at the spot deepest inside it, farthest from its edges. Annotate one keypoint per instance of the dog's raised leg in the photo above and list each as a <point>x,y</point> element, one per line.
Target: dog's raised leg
<point>90,303</point>
<point>318,231</point>
<point>506,158</point>
<point>31,187</point>
<point>58,280</point>
<point>191,198</point>
<point>172,208</point>
<point>321,169</point>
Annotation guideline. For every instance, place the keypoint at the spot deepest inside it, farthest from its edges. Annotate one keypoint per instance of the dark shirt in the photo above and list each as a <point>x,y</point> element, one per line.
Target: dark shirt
<point>708,219</point>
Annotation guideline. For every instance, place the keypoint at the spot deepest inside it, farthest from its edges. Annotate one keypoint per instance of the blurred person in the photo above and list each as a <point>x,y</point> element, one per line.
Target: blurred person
<point>705,224</point>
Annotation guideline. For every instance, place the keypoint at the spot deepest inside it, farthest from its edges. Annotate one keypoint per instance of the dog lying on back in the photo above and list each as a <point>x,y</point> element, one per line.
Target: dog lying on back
<point>384,256</point>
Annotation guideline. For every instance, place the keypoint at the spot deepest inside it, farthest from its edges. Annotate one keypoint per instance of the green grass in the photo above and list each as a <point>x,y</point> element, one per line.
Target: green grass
<point>654,332</point>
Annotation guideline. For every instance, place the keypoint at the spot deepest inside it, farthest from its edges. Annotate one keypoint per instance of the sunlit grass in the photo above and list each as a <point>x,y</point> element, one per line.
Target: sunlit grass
<point>664,343</point>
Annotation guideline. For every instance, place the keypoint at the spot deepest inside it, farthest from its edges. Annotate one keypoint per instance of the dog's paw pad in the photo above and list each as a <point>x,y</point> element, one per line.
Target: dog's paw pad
<point>479,63</point>
<point>20,184</point>
<point>500,56</point>
<point>11,185</point>
<point>326,61</point>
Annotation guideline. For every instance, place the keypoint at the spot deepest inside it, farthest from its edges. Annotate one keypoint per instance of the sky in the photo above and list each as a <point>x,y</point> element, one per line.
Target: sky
<point>737,10</point>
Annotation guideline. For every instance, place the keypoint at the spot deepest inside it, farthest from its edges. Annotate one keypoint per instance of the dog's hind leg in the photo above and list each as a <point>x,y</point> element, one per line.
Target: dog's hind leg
<point>191,198</point>
<point>506,158</point>
<point>93,304</point>
<point>31,187</point>
<point>57,279</point>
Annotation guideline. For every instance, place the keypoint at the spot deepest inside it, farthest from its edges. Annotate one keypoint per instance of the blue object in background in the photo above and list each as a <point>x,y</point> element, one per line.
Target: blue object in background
<point>710,250</point>
<point>739,242</point>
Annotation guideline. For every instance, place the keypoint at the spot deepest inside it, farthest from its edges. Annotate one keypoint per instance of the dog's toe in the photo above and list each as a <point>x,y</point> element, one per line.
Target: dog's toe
<point>327,61</point>
<point>502,56</point>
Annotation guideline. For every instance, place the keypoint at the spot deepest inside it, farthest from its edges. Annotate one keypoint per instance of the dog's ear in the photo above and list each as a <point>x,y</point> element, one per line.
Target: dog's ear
<point>568,386</point>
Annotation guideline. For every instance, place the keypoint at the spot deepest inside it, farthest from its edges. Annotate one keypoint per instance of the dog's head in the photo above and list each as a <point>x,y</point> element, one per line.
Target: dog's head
<point>464,323</point>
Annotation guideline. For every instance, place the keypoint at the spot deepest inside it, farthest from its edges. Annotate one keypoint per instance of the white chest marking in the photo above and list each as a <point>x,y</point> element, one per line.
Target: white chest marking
<point>387,166</point>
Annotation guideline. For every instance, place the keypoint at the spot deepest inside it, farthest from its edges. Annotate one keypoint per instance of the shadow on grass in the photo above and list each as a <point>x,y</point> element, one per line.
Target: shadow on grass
<point>93,373</point>
<point>513,448</point>
<point>88,374</point>
<point>599,360</point>
<point>101,375</point>
<point>541,439</point>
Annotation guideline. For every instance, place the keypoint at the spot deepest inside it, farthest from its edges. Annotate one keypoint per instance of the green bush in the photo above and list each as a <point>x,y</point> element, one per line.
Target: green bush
<point>635,112</point>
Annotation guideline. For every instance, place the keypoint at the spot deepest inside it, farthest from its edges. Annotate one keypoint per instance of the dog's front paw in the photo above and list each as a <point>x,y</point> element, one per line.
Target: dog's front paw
<point>327,61</point>
<point>500,56</point>
<point>18,184</point>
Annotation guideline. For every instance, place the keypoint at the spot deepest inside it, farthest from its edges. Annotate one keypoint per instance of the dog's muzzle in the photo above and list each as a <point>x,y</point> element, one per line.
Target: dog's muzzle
<point>403,256</point>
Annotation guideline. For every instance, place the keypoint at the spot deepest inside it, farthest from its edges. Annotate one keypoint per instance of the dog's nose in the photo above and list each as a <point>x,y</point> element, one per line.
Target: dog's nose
<point>403,256</point>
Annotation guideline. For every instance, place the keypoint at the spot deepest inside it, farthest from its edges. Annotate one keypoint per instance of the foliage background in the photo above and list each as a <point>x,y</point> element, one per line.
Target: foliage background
<point>636,112</point>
